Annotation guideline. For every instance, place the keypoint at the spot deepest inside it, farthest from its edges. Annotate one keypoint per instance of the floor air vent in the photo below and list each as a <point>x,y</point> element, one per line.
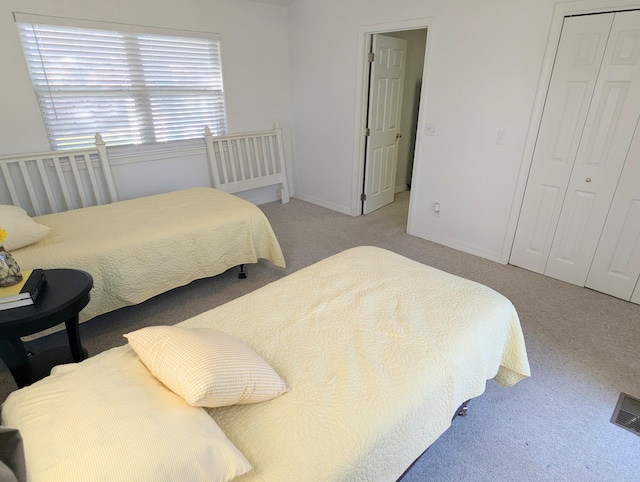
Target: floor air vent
<point>627,413</point>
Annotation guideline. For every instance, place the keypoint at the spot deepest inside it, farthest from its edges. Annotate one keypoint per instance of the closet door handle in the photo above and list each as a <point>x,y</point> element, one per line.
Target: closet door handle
<point>588,179</point>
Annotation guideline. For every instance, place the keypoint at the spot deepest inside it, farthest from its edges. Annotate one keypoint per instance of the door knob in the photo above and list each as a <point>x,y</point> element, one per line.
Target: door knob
<point>588,179</point>
<point>398,135</point>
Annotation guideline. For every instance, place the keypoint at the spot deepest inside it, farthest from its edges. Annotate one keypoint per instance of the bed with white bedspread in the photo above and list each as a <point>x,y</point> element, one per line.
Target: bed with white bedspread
<point>378,352</point>
<point>139,248</point>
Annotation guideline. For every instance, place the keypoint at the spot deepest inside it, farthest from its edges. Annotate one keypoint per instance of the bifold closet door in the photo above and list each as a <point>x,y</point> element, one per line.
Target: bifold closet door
<point>616,265</point>
<point>572,195</point>
<point>635,297</point>
<point>605,143</point>
<point>571,89</point>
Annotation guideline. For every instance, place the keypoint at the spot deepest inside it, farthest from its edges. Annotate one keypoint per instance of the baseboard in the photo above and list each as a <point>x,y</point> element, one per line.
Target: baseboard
<point>323,203</point>
<point>262,195</point>
<point>455,244</point>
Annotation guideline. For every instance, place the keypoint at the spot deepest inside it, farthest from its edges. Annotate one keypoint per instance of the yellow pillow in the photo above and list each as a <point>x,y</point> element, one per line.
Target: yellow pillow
<point>206,367</point>
<point>21,229</point>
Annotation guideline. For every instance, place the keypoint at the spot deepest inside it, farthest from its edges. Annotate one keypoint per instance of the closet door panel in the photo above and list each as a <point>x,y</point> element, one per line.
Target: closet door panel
<point>580,53</point>
<point>616,265</point>
<point>608,132</point>
<point>635,298</point>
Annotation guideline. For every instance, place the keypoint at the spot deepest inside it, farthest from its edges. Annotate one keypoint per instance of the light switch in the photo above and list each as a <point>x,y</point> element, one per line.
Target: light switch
<point>502,136</point>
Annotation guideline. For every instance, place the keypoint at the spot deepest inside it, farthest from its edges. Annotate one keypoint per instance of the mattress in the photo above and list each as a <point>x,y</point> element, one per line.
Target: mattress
<point>378,351</point>
<point>139,248</point>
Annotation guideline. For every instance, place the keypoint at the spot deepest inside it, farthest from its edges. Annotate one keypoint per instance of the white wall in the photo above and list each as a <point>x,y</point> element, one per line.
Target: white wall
<point>300,65</point>
<point>254,39</point>
<point>484,61</point>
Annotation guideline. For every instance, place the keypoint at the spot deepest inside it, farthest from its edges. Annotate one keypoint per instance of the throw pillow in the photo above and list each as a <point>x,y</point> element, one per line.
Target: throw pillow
<point>206,367</point>
<point>21,229</point>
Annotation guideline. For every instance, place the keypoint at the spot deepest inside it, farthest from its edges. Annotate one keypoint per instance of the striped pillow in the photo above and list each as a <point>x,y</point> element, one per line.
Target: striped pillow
<point>206,367</point>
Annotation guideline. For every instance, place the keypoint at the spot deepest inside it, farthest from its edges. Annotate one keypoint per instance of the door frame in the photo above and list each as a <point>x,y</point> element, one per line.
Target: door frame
<point>561,10</point>
<point>365,33</point>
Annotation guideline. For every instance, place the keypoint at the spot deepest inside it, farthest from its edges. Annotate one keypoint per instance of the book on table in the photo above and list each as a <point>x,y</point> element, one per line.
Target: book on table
<point>24,293</point>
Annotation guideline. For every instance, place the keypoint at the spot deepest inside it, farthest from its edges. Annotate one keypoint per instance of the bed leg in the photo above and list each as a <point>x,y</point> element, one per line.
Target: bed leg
<point>242,274</point>
<point>462,411</point>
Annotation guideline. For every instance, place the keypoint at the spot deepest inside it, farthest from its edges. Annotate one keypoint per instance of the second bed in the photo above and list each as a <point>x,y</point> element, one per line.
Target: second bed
<point>139,248</point>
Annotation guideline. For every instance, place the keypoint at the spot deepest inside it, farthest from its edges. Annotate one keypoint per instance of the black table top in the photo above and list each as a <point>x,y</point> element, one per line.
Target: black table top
<point>64,293</point>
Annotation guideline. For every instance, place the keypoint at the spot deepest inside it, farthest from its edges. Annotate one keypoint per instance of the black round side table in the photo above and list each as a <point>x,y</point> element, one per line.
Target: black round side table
<point>64,294</point>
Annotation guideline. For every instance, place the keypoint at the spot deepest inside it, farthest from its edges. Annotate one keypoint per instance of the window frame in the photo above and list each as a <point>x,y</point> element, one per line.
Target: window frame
<point>214,95</point>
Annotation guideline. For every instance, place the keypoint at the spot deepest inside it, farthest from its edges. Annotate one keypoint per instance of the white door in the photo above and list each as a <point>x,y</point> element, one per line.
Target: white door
<point>608,133</point>
<point>635,297</point>
<point>587,127</point>
<point>386,82</point>
<point>573,82</point>
<point>616,265</point>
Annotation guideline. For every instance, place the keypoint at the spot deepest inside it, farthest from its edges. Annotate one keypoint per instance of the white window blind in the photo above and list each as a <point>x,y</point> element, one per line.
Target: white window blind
<point>131,87</point>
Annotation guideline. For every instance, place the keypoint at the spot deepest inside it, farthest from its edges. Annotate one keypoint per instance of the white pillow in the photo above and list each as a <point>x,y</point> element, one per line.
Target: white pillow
<point>21,229</point>
<point>206,367</point>
<point>108,418</point>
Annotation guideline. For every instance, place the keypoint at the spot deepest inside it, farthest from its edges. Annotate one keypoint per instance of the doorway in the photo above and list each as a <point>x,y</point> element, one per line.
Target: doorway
<point>415,32</point>
<point>396,172</point>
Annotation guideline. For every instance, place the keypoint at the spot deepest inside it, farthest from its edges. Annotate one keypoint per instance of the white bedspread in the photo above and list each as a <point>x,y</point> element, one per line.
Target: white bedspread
<point>379,352</point>
<point>139,248</point>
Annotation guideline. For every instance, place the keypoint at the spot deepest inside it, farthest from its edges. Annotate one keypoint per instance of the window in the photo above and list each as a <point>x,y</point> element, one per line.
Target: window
<point>132,87</point>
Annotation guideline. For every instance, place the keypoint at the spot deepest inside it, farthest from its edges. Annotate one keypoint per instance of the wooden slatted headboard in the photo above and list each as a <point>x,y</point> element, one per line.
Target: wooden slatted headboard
<point>240,162</point>
<point>51,182</point>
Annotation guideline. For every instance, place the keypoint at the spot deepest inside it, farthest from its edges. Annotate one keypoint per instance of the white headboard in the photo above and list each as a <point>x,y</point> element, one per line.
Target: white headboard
<point>240,162</point>
<point>50,182</point>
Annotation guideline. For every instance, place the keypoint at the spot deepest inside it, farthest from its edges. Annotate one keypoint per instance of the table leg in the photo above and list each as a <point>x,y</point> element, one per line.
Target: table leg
<point>73,333</point>
<point>15,356</point>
